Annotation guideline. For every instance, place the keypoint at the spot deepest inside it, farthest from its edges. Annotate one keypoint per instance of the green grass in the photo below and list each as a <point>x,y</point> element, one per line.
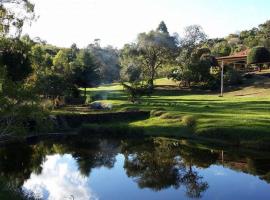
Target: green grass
<point>241,116</point>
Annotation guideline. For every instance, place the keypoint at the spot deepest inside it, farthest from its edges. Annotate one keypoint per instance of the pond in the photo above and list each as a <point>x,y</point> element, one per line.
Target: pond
<point>86,169</point>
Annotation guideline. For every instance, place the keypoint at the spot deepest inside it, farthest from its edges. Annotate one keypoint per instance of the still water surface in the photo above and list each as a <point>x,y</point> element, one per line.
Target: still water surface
<point>127,169</point>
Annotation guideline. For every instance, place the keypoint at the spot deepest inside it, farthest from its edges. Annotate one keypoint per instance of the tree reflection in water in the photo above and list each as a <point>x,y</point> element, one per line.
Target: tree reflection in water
<point>156,164</point>
<point>160,165</point>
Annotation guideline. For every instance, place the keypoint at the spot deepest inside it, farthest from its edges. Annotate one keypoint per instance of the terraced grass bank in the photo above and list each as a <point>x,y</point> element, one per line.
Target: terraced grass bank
<point>241,117</point>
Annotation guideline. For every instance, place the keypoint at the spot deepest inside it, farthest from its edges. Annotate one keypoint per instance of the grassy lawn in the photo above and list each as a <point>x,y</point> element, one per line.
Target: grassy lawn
<point>241,116</point>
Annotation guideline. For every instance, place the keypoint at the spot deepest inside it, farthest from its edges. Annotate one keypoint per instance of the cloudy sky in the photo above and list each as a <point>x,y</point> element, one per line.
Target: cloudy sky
<point>116,22</point>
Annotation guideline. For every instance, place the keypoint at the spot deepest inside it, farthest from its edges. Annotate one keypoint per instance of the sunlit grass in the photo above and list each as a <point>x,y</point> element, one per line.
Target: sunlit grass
<point>242,113</point>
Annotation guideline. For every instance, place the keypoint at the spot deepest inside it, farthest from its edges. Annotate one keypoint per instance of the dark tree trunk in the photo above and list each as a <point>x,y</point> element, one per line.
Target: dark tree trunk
<point>152,77</point>
<point>151,83</point>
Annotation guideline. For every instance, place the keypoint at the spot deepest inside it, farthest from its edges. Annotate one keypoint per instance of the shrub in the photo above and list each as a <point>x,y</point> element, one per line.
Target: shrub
<point>136,91</point>
<point>189,121</point>
<point>213,83</point>
<point>258,55</point>
<point>232,77</point>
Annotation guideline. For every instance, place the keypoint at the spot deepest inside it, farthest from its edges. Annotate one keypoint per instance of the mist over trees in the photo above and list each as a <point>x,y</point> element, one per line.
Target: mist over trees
<point>107,59</point>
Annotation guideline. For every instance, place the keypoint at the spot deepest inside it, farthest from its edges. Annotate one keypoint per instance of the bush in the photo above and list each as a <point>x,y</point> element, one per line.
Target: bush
<point>258,55</point>
<point>136,91</point>
<point>189,121</point>
<point>52,85</point>
<point>232,77</point>
<point>25,120</point>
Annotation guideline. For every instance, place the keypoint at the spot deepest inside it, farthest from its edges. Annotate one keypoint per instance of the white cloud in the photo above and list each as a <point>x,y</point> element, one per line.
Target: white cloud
<point>60,179</point>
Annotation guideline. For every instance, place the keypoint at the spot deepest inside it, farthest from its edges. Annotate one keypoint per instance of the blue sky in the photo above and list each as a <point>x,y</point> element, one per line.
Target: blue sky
<point>116,22</point>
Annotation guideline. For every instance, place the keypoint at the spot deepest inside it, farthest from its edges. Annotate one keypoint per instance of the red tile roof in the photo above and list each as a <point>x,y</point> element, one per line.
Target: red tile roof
<point>241,53</point>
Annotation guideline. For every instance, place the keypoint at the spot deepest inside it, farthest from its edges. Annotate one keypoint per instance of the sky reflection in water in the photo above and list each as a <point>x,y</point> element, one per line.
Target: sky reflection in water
<point>60,179</point>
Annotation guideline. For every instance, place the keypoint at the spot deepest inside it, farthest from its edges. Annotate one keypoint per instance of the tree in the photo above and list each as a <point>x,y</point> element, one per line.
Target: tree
<point>20,111</point>
<point>136,87</point>
<point>15,59</point>
<point>13,14</point>
<point>107,59</point>
<point>155,51</point>
<point>41,61</point>
<point>85,71</point>
<point>162,28</point>
<point>51,85</point>
<point>193,66</point>
<point>151,52</point>
<point>222,49</point>
<point>73,51</point>
<point>131,74</point>
<point>193,36</point>
<point>258,55</point>
<point>263,34</point>
<point>61,62</point>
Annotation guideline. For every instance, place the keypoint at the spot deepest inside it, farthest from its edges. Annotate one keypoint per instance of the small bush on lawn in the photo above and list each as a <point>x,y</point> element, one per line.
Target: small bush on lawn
<point>189,121</point>
<point>232,77</point>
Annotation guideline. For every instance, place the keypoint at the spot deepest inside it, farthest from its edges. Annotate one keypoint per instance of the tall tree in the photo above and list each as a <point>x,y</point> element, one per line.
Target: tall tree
<point>193,36</point>
<point>152,51</point>
<point>73,51</point>
<point>85,71</point>
<point>193,63</point>
<point>162,27</point>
